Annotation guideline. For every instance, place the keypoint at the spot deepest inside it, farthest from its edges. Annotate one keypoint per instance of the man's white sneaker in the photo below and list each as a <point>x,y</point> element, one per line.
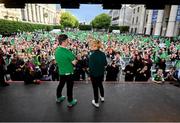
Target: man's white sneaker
<point>102,99</point>
<point>95,104</point>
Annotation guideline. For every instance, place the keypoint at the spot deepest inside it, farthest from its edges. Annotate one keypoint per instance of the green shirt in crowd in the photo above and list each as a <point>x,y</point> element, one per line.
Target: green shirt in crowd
<point>64,58</point>
<point>158,78</point>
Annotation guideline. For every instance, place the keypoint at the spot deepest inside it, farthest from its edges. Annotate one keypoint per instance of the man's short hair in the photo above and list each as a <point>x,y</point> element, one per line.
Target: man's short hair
<point>62,38</point>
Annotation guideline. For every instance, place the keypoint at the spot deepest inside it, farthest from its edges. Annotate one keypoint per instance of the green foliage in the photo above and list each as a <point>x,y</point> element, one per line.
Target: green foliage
<point>49,28</point>
<point>68,20</point>
<point>8,27</point>
<point>124,29</point>
<point>76,24</point>
<point>85,27</point>
<point>101,21</point>
<point>57,27</point>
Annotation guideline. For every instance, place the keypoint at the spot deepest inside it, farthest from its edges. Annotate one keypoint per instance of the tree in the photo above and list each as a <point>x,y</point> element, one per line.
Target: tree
<point>76,24</point>
<point>85,27</point>
<point>101,21</point>
<point>124,29</point>
<point>8,27</point>
<point>68,20</point>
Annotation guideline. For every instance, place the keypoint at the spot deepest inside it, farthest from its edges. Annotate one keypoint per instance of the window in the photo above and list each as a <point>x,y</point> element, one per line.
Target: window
<point>134,11</point>
<point>146,18</point>
<point>135,30</point>
<point>131,30</point>
<point>115,18</point>
<point>138,9</point>
<point>136,20</point>
<point>132,21</point>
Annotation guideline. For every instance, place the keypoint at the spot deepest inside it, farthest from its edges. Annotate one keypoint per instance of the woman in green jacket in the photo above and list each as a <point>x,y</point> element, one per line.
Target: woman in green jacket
<point>97,63</point>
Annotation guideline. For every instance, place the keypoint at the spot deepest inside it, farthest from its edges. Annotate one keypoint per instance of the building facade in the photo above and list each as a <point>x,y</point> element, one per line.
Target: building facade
<point>156,22</point>
<point>138,19</point>
<point>34,13</point>
<point>121,17</point>
<point>10,14</point>
<point>40,13</point>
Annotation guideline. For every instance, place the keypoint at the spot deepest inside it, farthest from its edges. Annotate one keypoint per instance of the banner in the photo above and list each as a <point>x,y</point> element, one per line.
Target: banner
<point>154,16</point>
<point>178,14</point>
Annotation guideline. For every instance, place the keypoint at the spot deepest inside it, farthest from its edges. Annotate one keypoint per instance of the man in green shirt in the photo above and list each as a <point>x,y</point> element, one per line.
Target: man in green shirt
<point>65,60</point>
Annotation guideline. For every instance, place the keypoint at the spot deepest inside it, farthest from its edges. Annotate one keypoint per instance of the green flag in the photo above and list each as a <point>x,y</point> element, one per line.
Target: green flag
<point>29,50</point>
<point>0,37</point>
<point>20,39</point>
<point>168,43</point>
<point>6,39</point>
<point>177,65</point>
<point>178,47</point>
<point>29,37</point>
<point>146,40</point>
<point>164,55</point>
<point>12,42</point>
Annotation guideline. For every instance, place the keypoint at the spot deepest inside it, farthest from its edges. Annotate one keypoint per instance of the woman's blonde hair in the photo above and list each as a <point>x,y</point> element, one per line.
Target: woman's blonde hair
<point>96,44</point>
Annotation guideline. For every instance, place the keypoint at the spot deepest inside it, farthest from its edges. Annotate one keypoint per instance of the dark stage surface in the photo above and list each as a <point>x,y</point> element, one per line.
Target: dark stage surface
<point>123,102</point>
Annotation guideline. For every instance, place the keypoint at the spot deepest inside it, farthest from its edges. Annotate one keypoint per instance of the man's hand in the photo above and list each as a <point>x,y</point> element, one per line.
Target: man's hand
<point>74,62</point>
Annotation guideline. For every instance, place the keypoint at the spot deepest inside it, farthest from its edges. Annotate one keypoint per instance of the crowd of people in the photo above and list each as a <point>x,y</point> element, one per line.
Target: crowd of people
<point>30,57</point>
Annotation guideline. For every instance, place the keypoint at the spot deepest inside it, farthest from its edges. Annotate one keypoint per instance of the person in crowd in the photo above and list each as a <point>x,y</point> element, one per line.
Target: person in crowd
<point>159,77</point>
<point>119,61</point>
<point>2,70</point>
<point>173,58</point>
<point>65,60</point>
<point>112,72</point>
<point>30,74</point>
<point>170,76</point>
<point>161,65</point>
<point>177,76</point>
<point>138,64</point>
<point>44,71</point>
<point>143,74</point>
<point>129,71</point>
<point>53,70</point>
<point>78,72</point>
<point>20,68</point>
<point>37,60</point>
<point>149,63</point>
<point>11,69</point>
<point>84,66</point>
<point>97,63</point>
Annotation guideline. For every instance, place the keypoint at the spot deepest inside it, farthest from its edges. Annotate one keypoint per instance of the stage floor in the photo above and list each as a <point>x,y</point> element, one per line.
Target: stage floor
<point>126,102</point>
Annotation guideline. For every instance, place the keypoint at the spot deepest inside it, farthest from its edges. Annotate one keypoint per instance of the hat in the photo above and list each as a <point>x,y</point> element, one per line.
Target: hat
<point>62,38</point>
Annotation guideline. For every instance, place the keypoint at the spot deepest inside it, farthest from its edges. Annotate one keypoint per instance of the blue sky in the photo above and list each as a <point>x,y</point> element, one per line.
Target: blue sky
<point>86,13</point>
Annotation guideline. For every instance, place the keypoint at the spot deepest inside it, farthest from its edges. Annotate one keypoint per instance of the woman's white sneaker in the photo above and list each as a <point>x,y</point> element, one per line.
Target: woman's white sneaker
<point>95,104</point>
<point>102,99</point>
